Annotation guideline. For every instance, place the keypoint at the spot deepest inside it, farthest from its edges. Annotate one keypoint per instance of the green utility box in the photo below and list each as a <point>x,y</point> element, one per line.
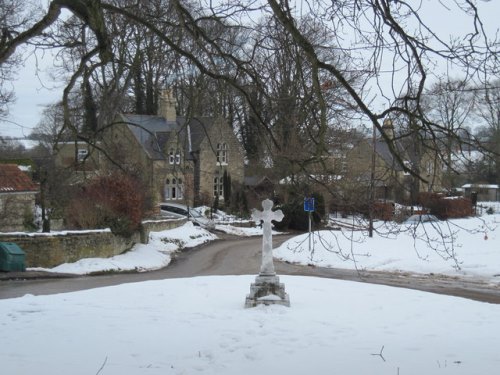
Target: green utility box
<point>12,257</point>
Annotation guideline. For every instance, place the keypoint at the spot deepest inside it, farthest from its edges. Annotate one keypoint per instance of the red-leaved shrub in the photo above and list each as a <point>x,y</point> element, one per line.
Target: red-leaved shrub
<point>446,208</point>
<point>114,201</point>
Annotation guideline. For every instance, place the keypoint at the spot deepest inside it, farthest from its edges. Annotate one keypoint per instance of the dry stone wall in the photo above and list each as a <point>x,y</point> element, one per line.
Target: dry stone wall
<point>48,250</point>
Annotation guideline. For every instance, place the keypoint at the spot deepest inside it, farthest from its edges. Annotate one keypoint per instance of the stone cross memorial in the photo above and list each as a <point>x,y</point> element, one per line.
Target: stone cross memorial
<point>267,289</point>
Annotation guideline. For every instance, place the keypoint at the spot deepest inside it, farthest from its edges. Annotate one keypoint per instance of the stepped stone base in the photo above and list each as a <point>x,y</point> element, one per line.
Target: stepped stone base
<point>267,290</point>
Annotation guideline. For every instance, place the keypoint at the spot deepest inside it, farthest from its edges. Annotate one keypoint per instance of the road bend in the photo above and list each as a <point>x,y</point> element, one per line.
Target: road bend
<point>242,256</point>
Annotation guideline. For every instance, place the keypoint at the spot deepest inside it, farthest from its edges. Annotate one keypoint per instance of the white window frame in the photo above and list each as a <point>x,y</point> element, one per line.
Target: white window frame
<point>222,153</point>
<point>81,154</point>
<point>171,159</point>
<point>174,189</point>
<point>218,187</point>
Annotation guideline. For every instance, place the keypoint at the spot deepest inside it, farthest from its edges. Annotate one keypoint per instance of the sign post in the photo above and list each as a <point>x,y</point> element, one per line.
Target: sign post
<point>309,208</point>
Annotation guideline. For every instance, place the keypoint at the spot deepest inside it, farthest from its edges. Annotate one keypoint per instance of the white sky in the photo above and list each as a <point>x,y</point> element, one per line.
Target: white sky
<point>34,92</point>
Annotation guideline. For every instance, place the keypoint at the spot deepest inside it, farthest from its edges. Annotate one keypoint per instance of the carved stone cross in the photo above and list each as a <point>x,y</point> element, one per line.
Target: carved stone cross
<point>267,267</point>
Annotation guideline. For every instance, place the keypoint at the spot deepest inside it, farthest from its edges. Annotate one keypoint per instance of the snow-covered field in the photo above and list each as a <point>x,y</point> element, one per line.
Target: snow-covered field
<point>199,325</point>
<point>462,247</point>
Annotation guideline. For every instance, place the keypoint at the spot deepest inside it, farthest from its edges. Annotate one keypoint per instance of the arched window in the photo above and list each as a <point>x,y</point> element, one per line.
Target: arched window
<point>222,153</point>
<point>177,157</point>
<point>174,189</point>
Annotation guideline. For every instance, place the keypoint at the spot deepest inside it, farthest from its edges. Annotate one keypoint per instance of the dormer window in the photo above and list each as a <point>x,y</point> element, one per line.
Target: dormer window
<point>221,153</point>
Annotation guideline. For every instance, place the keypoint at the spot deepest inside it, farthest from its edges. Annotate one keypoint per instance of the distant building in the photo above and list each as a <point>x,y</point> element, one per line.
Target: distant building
<point>177,158</point>
<point>17,198</point>
<point>80,158</point>
<point>391,181</point>
<point>485,192</point>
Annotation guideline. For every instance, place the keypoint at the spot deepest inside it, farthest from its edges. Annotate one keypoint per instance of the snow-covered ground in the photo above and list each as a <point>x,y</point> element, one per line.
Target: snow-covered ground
<point>462,247</point>
<point>199,325</point>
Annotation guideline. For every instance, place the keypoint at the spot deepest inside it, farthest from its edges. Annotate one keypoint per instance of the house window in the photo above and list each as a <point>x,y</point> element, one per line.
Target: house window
<point>174,157</point>
<point>430,168</point>
<point>218,187</point>
<point>222,153</point>
<point>174,189</point>
<point>408,165</point>
<point>171,159</point>
<point>82,154</point>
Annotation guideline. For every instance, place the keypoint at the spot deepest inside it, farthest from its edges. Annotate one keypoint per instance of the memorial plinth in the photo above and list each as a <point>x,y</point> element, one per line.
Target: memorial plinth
<point>267,289</point>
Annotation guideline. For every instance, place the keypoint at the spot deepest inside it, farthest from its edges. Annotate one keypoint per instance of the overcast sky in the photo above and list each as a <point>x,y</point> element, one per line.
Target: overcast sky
<point>35,91</point>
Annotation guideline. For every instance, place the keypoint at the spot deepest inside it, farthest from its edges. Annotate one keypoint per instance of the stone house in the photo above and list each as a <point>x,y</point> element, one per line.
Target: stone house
<point>178,159</point>
<point>79,158</point>
<point>391,181</point>
<point>17,198</point>
<point>344,177</point>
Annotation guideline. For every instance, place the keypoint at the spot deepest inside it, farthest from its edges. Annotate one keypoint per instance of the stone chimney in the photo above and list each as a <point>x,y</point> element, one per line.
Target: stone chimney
<point>166,105</point>
<point>388,128</point>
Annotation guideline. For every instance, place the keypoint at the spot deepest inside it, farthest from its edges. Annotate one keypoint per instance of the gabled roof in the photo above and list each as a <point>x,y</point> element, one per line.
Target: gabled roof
<point>153,132</point>
<point>13,180</point>
<point>149,130</point>
<point>198,129</point>
<point>382,149</point>
<point>403,147</point>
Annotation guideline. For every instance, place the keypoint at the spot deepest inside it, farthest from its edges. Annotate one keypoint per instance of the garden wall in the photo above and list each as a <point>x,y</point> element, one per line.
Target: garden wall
<point>48,250</point>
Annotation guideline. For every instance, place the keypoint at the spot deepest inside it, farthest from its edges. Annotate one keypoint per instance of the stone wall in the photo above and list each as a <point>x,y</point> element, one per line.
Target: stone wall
<point>48,250</point>
<point>158,226</point>
<point>14,209</point>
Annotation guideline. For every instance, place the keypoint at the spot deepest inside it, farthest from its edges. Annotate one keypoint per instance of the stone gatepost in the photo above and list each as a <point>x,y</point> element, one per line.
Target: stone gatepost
<point>267,289</point>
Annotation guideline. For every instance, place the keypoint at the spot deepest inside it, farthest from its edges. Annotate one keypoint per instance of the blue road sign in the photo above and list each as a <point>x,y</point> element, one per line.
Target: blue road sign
<point>309,204</point>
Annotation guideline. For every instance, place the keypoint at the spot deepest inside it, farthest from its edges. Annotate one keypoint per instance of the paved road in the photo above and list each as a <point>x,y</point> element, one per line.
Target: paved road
<point>241,256</point>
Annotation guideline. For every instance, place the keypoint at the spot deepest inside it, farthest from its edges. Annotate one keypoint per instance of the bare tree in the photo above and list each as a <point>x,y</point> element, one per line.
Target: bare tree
<point>451,104</point>
<point>15,16</point>
<point>371,33</point>
<point>488,109</point>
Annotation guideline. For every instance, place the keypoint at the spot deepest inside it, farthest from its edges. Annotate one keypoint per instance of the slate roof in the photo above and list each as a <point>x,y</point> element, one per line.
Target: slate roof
<point>13,180</point>
<point>153,132</point>
<point>406,152</point>
<point>384,152</point>
<point>256,180</point>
